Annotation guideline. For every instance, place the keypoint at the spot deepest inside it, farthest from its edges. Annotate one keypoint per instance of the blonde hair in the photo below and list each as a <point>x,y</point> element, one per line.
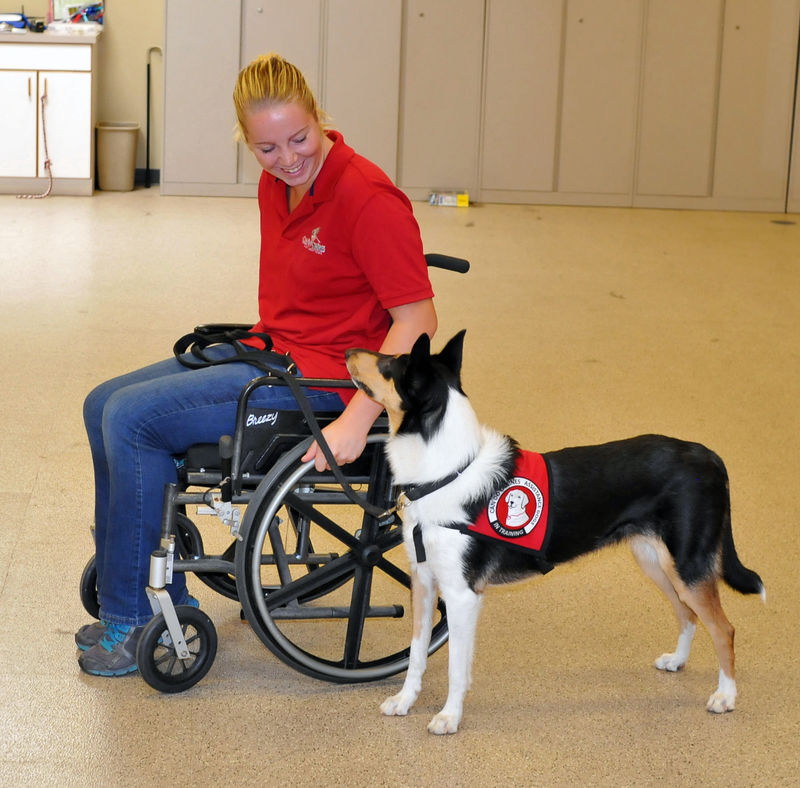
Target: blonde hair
<point>270,79</point>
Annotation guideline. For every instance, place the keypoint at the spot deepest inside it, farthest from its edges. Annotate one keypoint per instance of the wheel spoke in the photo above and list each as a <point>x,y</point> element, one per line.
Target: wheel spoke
<point>359,604</point>
<point>308,584</point>
<point>316,517</point>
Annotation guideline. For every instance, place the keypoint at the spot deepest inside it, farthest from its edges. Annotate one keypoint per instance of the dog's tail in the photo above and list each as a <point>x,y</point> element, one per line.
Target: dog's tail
<point>734,573</point>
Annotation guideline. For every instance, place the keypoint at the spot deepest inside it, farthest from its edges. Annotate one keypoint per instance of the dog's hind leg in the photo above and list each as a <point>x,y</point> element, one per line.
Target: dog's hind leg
<point>463,608</point>
<point>423,598</point>
<point>703,598</point>
<point>647,556</point>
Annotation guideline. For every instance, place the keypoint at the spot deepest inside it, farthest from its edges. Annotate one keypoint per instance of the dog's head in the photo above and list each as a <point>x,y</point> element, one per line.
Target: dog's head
<point>413,387</point>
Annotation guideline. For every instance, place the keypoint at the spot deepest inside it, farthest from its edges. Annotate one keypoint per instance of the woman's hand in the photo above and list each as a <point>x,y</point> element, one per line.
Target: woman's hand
<point>347,435</point>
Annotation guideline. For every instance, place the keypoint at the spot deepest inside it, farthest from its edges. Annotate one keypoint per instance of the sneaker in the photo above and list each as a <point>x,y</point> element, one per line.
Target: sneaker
<point>91,634</point>
<point>115,654</point>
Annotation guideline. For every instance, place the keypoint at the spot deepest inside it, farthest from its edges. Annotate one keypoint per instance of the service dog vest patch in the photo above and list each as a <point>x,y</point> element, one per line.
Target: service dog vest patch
<point>517,514</point>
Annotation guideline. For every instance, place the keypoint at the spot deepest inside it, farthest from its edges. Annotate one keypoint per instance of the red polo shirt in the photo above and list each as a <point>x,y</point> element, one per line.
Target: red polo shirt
<point>332,268</point>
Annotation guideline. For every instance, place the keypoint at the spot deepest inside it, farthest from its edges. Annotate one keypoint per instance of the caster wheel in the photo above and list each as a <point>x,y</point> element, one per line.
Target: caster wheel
<point>89,589</point>
<point>158,662</point>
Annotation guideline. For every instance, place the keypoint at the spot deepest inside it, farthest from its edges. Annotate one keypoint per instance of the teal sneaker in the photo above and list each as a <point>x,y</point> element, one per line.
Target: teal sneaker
<point>115,654</point>
<point>91,634</point>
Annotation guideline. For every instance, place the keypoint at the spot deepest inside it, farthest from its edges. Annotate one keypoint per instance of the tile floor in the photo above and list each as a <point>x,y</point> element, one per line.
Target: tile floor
<point>583,325</point>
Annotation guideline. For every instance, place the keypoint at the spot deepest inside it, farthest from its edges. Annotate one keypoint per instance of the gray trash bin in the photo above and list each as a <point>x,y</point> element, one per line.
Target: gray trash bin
<point>116,156</point>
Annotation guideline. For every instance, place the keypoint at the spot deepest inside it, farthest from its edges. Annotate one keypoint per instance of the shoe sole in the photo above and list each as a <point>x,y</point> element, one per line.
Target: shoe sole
<point>111,674</point>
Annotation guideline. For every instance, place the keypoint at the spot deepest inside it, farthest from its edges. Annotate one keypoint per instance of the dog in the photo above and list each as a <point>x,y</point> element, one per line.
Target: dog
<point>668,498</point>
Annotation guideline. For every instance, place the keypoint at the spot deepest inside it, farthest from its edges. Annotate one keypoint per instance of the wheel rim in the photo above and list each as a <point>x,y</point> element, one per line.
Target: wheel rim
<point>158,661</point>
<point>348,635</point>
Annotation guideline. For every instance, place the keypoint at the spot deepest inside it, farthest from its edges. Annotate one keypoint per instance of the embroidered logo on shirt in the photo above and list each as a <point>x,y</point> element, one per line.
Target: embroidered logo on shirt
<point>313,244</point>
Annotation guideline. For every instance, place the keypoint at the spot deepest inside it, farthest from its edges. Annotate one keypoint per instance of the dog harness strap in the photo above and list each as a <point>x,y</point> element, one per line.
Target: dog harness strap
<point>416,491</point>
<point>419,547</point>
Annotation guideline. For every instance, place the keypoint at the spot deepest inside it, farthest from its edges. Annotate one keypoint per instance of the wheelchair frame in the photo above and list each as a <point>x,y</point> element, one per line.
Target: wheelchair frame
<point>282,582</point>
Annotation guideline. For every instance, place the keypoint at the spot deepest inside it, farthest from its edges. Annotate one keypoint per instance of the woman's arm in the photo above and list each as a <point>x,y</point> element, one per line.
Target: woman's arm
<point>347,435</point>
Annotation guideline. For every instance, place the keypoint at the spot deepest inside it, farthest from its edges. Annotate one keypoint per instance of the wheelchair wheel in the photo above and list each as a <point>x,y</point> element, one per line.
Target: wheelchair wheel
<point>158,661</point>
<point>88,588</point>
<point>329,612</point>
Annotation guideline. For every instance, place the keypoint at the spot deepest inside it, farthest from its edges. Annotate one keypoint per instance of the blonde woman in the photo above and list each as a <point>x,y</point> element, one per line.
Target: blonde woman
<point>341,265</point>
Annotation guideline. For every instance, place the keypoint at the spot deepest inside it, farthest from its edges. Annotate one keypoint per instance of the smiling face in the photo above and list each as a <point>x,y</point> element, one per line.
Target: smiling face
<point>288,143</point>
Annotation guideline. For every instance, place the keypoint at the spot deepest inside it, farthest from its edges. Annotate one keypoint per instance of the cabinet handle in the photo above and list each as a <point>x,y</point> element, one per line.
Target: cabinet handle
<point>29,87</point>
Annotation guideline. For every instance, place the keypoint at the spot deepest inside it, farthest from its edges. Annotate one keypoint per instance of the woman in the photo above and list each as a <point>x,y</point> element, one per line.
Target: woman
<point>341,266</point>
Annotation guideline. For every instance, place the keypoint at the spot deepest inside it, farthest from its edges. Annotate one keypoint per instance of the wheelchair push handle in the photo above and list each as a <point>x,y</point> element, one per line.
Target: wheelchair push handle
<point>457,264</point>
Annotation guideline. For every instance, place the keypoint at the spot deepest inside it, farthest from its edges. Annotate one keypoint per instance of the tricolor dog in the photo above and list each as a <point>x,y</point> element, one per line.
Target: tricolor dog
<point>464,483</point>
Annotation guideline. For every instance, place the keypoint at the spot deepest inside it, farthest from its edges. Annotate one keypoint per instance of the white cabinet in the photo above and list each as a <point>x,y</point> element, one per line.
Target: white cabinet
<point>47,90</point>
<point>67,122</point>
<point>651,103</point>
<point>18,126</point>
<point>349,50</point>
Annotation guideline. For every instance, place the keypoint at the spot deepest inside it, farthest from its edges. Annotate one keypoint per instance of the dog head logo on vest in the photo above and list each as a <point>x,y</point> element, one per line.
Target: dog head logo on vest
<point>516,509</point>
<point>517,514</point>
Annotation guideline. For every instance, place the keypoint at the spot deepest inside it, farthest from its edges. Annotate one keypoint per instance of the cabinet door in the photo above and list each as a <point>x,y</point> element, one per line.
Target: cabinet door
<point>293,31</point>
<point>678,125</point>
<point>600,96</point>
<point>67,121</point>
<point>201,61</point>
<point>520,114</point>
<point>441,93</point>
<point>757,88</point>
<point>362,76</point>
<point>18,124</point>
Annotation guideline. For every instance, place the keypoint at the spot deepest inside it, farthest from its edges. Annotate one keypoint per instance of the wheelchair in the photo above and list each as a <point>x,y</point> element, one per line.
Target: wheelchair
<point>314,559</point>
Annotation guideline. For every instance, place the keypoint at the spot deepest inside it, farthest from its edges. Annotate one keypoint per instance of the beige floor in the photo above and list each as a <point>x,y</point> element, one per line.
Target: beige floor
<point>583,325</point>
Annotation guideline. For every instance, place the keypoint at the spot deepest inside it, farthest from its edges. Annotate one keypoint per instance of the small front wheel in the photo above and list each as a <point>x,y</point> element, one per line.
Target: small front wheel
<point>159,663</point>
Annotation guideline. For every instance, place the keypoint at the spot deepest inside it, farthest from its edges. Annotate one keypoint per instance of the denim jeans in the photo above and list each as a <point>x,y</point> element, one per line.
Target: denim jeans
<point>137,424</point>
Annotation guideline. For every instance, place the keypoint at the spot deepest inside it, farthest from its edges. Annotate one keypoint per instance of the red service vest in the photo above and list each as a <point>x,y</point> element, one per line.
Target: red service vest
<point>517,514</point>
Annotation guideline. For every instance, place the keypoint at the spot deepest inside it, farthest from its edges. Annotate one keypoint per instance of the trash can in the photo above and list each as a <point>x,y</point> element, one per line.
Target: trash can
<point>116,156</point>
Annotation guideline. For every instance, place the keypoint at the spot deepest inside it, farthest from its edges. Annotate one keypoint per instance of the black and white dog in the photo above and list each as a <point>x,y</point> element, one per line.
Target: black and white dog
<point>668,498</point>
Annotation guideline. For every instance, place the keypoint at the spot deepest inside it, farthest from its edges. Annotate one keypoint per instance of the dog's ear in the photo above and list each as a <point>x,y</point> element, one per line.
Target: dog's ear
<point>422,349</point>
<point>453,353</point>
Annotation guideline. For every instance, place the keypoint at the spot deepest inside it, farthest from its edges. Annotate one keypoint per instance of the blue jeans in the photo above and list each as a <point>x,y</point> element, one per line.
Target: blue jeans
<point>137,424</point>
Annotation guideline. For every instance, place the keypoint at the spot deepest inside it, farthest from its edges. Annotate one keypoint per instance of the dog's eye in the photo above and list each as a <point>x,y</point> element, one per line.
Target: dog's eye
<point>390,368</point>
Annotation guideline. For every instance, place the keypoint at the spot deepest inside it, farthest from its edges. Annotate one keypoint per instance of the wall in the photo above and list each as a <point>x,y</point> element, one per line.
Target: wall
<point>130,30</point>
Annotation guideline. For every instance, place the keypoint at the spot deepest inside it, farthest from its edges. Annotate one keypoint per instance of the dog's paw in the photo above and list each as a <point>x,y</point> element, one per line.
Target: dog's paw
<point>443,723</point>
<point>670,662</point>
<point>720,702</point>
<point>397,706</point>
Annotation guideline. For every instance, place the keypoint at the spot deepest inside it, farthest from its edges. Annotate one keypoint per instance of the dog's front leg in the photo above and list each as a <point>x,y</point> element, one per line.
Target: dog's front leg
<point>463,608</point>
<point>423,597</point>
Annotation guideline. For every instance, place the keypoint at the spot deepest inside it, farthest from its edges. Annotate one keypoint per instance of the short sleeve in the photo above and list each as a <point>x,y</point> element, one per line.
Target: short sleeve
<point>387,246</point>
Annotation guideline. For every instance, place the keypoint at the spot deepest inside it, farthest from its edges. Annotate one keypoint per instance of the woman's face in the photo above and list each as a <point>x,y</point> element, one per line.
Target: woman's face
<point>287,142</point>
